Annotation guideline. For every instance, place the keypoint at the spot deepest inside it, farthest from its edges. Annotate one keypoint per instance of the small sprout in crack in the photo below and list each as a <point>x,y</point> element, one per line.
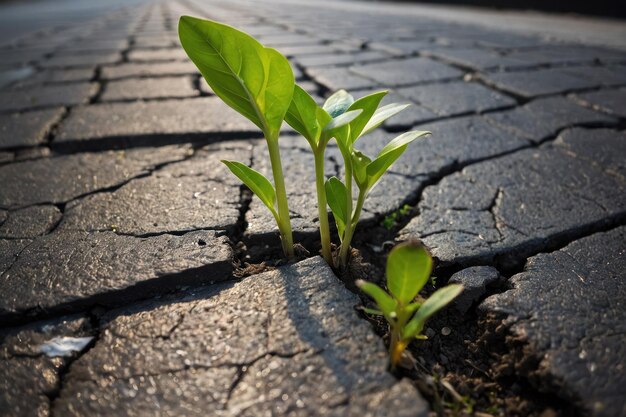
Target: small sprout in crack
<point>391,220</point>
<point>409,266</point>
<point>257,82</point>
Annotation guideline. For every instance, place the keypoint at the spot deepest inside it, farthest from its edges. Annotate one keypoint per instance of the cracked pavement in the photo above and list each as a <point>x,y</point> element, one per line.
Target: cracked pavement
<point>119,223</point>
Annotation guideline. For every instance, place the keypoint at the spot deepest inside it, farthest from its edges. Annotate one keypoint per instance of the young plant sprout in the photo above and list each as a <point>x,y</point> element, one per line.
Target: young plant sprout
<point>365,171</point>
<point>318,125</point>
<point>409,266</point>
<point>257,82</point>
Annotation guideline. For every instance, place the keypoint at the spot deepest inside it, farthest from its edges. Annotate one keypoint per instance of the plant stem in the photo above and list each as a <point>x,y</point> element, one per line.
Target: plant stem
<point>284,224</point>
<point>347,233</point>
<point>321,205</point>
<point>396,347</point>
<point>347,238</point>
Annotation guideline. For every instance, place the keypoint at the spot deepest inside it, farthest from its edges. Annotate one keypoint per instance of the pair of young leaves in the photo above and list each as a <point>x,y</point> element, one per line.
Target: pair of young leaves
<point>409,266</point>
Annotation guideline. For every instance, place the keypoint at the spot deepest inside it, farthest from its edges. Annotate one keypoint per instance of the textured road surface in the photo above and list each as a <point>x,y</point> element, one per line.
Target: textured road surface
<point>120,228</point>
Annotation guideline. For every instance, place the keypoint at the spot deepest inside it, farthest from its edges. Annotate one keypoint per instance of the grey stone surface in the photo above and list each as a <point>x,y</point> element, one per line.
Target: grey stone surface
<point>408,71</point>
<point>567,54</point>
<point>337,78</point>
<point>107,124</point>
<point>30,222</point>
<point>149,88</point>
<point>148,69</point>
<point>543,118</point>
<point>604,148</point>
<point>59,76</point>
<point>199,193</point>
<point>63,178</point>
<point>475,281</point>
<point>81,60</point>
<point>265,346</point>
<point>323,60</point>
<point>600,76</point>
<point>476,58</point>
<point>157,55</point>
<point>457,98</point>
<point>508,207</point>
<point>27,129</point>
<point>9,250</point>
<point>47,96</point>
<point>27,377</point>
<point>72,270</point>
<point>540,82</point>
<point>568,308</point>
<point>612,102</point>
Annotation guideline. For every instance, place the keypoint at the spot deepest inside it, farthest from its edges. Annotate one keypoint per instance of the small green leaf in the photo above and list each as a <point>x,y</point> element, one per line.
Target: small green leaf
<point>383,300</point>
<point>372,311</point>
<point>341,121</point>
<point>256,81</point>
<point>360,161</point>
<point>302,114</point>
<point>338,103</point>
<point>383,114</point>
<point>368,105</point>
<point>337,197</point>
<point>408,267</point>
<point>412,308</point>
<point>403,139</point>
<point>389,154</point>
<point>438,300</point>
<point>256,182</point>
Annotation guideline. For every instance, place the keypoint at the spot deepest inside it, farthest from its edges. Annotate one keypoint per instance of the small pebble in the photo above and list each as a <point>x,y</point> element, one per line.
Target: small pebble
<point>446,331</point>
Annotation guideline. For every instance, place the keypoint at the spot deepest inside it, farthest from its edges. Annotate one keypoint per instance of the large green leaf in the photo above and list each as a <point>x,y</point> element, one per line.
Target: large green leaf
<point>302,115</point>
<point>382,114</point>
<point>438,300</point>
<point>338,103</point>
<point>408,268</point>
<point>385,303</point>
<point>256,182</point>
<point>256,81</point>
<point>389,154</point>
<point>368,105</point>
<point>337,198</point>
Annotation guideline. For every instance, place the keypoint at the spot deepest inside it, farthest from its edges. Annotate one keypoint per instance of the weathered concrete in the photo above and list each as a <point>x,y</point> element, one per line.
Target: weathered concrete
<point>276,343</point>
<point>409,71</point>
<point>508,207</point>
<point>30,222</point>
<point>121,124</point>
<point>542,118</point>
<point>199,193</point>
<point>70,270</point>
<point>27,129</point>
<point>149,88</point>
<point>48,96</point>
<point>568,308</point>
<point>63,178</point>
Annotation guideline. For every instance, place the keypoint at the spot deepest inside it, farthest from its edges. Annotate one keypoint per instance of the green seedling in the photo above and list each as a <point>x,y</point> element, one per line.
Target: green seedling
<point>318,125</point>
<point>409,266</point>
<point>391,220</point>
<point>257,82</point>
<point>361,169</point>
